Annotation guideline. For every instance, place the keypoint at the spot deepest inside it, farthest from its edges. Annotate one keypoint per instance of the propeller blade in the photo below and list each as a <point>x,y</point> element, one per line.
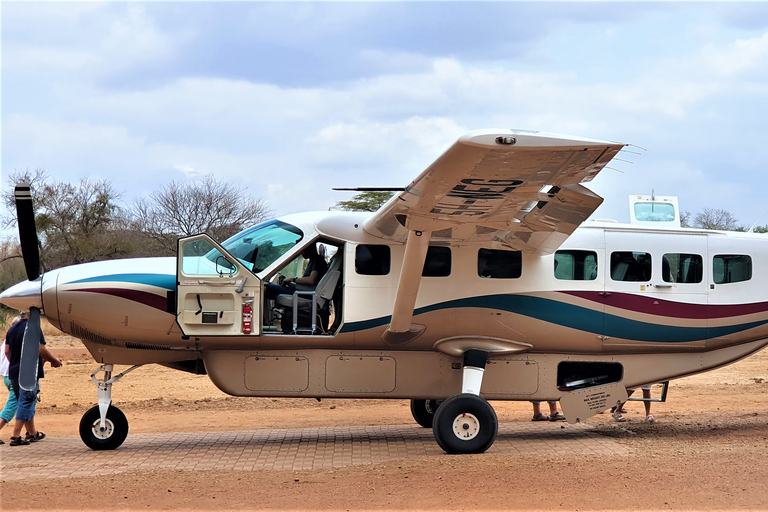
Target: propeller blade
<point>30,351</point>
<point>27,232</point>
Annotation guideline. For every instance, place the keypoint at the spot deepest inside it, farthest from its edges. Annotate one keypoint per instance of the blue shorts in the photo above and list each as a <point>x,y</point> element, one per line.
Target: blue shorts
<point>27,401</point>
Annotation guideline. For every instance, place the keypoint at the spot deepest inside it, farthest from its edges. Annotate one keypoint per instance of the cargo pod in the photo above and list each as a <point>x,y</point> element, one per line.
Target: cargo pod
<point>216,294</point>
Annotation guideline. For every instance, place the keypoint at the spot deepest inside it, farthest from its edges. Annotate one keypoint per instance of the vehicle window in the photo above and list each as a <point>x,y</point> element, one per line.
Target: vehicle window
<point>630,266</point>
<point>576,265</point>
<point>372,260</point>
<point>499,264</point>
<point>655,212</point>
<point>260,246</point>
<point>731,268</point>
<point>682,268</point>
<point>437,262</point>
<point>201,258</point>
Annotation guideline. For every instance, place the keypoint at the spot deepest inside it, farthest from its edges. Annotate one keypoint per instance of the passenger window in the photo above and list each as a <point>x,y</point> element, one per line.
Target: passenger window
<point>437,262</point>
<point>372,260</point>
<point>499,264</point>
<point>682,268</point>
<point>576,265</point>
<point>630,266</point>
<point>731,268</point>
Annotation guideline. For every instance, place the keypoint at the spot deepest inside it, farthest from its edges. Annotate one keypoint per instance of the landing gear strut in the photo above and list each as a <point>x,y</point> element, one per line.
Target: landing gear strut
<point>466,423</point>
<point>104,427</point>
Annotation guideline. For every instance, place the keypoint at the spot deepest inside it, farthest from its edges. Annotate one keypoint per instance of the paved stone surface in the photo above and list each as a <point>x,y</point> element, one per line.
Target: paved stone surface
<point>294,449</point>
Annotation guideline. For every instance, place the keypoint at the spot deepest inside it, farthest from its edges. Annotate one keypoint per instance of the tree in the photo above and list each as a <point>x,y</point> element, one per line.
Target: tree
<point>715,218</point>
<point>182,209</point>
<point>75,223</point>
<point>685,219</point>
<point>368,201</point>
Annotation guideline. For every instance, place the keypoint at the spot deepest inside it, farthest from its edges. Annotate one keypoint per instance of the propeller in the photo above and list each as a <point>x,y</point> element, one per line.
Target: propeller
<point>30,351</point>
<point>27,232</point>
<point>30,347</point>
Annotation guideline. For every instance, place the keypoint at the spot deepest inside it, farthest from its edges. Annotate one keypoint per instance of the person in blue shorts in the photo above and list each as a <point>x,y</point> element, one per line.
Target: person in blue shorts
<point>9,411</point>
<point>25,412</point>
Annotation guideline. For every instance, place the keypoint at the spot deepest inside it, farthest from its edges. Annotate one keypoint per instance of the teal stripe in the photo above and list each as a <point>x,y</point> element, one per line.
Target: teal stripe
<point>574,317</point>
<point>160,280</point>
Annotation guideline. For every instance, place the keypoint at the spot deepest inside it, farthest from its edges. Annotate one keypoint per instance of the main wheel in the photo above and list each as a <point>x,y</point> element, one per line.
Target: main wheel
<point>423,411</point>
<point>111,436</point>
<point>465,423</point>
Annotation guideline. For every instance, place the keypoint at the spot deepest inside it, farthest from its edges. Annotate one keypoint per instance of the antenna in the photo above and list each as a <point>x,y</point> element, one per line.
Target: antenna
<point>372,189</point>
<point>752,228</point>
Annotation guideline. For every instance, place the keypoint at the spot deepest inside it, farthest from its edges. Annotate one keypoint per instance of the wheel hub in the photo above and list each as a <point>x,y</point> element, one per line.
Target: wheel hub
<point>106,432</point>
<point>466,426</point>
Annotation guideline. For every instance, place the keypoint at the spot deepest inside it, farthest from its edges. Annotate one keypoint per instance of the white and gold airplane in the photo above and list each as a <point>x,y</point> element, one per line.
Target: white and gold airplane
<point>480,280</point>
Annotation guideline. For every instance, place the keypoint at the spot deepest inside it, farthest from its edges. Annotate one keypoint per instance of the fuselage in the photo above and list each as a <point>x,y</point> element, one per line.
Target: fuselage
<point>131,300</point>
<point>610,289</point>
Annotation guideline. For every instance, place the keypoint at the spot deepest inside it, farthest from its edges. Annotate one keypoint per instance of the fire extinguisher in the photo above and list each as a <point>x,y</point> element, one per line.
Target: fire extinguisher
<point>247,317</point>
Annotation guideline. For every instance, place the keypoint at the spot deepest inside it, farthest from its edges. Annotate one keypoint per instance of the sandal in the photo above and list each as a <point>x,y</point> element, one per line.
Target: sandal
<point>540,417</point>
<point>18,441</point>
<point>618,417</point>
<point>557,417</point>
<point>33,438</point>
<point>650,419</point>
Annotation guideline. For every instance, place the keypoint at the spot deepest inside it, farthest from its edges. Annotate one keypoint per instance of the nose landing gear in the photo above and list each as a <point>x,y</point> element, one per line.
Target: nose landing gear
<point>104,426</point>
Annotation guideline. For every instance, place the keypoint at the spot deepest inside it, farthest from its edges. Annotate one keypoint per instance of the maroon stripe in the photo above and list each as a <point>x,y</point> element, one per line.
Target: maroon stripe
<point>149,299</point>
<point>668,308</point>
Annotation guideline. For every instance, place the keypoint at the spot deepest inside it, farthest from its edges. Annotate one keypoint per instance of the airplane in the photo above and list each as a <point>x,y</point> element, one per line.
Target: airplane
<point>483,279</point>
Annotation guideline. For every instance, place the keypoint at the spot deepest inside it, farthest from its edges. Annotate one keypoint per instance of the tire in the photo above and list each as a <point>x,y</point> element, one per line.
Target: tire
<point>116,429</point>
<point>423,411</point>
<point>465,423</point>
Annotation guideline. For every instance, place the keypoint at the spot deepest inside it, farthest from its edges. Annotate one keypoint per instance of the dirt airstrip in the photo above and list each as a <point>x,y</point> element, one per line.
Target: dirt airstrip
<point>708,450</point>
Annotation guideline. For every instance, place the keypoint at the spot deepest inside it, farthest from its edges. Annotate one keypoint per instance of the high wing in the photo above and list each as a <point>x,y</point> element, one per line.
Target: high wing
<point>514,188</point>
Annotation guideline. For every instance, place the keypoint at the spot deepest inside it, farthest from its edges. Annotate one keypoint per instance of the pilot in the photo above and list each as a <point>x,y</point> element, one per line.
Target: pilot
<point>315,270</point>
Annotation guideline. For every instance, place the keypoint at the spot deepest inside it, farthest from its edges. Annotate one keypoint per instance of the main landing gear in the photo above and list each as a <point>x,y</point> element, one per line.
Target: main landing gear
<point>104,427</point>
<point>423,411</point>
<point>466,423</point>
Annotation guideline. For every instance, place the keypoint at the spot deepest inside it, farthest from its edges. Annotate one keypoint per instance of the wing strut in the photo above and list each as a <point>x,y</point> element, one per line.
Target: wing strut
<point>401,330</point>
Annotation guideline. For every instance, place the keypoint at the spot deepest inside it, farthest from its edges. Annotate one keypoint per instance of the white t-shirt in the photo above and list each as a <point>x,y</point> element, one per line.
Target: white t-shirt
<point>4,363</point>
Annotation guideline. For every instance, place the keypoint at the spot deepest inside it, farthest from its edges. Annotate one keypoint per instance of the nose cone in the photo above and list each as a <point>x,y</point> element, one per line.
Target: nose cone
<point>24,295</point>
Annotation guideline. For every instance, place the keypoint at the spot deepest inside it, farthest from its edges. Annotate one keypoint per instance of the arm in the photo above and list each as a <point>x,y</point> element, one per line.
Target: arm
<point>46,354</point>
<point>8,351</point>
<point>311,279</point>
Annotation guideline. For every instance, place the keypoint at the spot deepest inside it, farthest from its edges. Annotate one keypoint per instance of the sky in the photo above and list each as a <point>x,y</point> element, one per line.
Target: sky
<point>288,100</point>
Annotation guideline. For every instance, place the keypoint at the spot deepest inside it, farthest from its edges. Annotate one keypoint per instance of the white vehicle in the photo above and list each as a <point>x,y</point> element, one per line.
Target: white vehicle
<point>480,280</point>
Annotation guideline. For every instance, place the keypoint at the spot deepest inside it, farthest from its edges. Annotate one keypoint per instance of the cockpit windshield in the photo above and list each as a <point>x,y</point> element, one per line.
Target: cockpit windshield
<point>260,246</point>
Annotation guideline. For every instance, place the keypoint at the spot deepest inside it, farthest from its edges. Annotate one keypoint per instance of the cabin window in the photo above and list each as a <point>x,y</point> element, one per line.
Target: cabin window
<point>576,265</point>
<point>630,266</point>
<point>437,262</point>
<point>655,212</point>
<point>682,268</point>
<point>499,264</point>
<point>372,260</point>
<point>731,268</point>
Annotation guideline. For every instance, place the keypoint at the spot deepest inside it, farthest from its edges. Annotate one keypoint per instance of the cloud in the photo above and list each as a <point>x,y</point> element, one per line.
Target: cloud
<point>738,57</point>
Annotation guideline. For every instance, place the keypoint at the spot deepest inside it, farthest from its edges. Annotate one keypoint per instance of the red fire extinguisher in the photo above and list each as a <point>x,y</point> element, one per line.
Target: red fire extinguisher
<point>247,317</point>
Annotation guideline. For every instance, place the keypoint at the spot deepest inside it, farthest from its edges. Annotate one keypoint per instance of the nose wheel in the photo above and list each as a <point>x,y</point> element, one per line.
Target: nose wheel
<point>103,437</point>
<point>465,423</point>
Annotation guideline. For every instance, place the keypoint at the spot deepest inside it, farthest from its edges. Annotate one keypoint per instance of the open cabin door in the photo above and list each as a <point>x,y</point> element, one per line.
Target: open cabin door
<point>214,291</point>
